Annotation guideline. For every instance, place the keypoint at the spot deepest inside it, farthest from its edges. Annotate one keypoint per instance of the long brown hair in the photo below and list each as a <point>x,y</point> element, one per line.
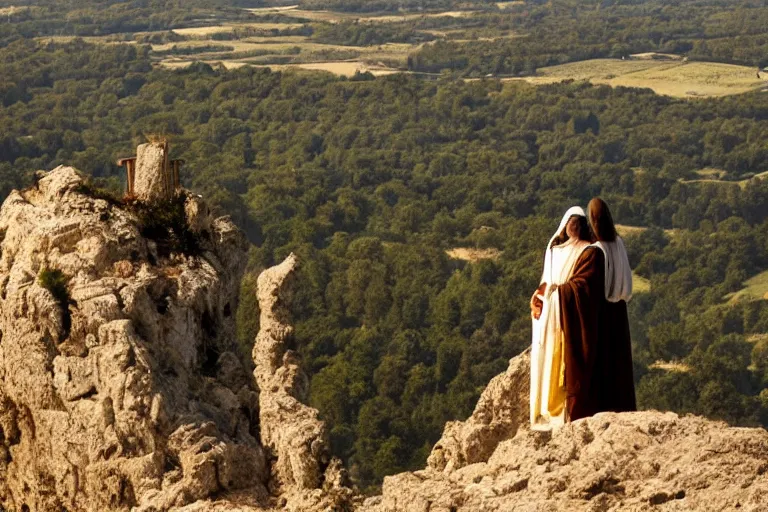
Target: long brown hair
<point>601,221</point>
<point>584,233</point>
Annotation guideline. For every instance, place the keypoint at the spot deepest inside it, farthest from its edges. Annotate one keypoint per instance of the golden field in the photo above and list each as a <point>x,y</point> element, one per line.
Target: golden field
<point>676,78</point>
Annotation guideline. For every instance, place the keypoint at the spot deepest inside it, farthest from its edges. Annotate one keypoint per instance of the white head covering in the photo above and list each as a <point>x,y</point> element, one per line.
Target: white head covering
<point>546,275</point>
<point>618,274</point>
<point>573,210</point>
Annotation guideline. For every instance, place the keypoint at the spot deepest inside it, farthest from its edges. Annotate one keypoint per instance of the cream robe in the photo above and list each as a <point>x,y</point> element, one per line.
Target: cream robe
<point>547,363</point>
<point>618,274</point>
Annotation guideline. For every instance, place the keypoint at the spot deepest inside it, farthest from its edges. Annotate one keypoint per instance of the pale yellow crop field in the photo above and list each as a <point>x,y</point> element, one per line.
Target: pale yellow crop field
<point>754,288</point>
<point>712,173</point>
<point>244,45</point>
<point>624,230</point>
<point>716,175</point>
<point>336,17</point>
<point>181,64</point>
<point>342,68</point>
<point>110,39</point>
<point>596,70</point>
<point>473,255</point>
<point>398,18</point>
<point>13,10</point>
<point>295,12</point>
<point>269,10</point>
<point>228,28</point>
<point>275,39</point>
<point>671,78</point>
<point>670,366</point>
<point>314,56</point>
<point>505,5</point>
<point>656,55</point>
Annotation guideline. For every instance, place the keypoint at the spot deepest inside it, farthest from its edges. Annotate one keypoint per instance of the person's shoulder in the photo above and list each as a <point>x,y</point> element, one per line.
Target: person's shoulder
<point>593,252</point>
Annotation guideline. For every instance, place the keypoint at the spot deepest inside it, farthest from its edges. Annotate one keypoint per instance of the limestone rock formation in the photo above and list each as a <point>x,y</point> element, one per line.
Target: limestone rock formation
<point>302,469</point>
<point>500,412</point>
<point>628,462</point>
<point>117,389</point>
<point>120,383</point>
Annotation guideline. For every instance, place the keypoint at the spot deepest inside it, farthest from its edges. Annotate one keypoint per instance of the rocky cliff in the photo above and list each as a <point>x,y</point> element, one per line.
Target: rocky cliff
<point>121,388</point>
<point>120,383</point>
<point>629,462</point>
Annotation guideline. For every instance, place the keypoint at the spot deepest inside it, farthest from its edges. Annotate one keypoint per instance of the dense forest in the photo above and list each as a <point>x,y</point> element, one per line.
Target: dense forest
<point>371,181</point>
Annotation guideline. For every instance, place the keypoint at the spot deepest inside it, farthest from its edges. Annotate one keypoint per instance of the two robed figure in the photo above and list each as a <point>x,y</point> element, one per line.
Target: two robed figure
<point>581,360</point>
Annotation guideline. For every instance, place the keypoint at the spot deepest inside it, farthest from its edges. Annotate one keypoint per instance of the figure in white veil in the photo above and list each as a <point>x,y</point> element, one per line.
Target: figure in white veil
<point>548,387</point>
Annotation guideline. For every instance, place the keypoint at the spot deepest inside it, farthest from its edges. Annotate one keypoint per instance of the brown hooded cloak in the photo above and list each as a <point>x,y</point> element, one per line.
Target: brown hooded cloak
<point>581,305</point>
<point>598,352</point>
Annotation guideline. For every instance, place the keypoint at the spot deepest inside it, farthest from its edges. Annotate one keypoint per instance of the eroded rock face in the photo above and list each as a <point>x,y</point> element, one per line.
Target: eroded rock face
<point>628,462</point>
<point>500,412</point>
<point>126,393</point>
<point>303,471</point>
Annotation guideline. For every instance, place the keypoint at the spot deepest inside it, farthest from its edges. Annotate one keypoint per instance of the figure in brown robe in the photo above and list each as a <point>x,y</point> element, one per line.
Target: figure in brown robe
<point>593,305</point>
<point>581,306</point>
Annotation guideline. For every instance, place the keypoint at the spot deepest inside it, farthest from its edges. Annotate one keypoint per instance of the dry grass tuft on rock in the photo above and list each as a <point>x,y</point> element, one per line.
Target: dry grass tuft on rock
<point>55,282</point>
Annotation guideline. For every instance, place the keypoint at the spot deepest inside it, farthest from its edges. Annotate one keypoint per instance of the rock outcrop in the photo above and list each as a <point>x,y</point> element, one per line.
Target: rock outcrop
<point>303,471</point>
<point>121,387</point>
<point>628,462</point>
<point>500,412</point>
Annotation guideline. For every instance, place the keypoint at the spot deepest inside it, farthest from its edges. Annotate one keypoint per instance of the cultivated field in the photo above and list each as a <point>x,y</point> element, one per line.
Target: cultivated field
<point>203,32</point>
<point>336,17</point>
<point>755,288</point>
<point>717,175</point>
<point>341,68</point>
<point>259,44</point>
<point>295,12</point>
<point>670,366</point>
<point>640,284</point>
<point>473,255</point>
<point>668,77</point>
<point>307,55</point>
<point>399,18</point>
<point>624,231</point>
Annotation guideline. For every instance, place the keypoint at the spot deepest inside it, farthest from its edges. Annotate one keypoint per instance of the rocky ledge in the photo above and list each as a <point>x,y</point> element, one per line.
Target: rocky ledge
<point>628,462</point>
<point>121,385</point>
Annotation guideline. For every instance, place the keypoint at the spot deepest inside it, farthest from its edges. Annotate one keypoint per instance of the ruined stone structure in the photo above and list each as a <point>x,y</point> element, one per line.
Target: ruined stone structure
<point>150,175</point>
